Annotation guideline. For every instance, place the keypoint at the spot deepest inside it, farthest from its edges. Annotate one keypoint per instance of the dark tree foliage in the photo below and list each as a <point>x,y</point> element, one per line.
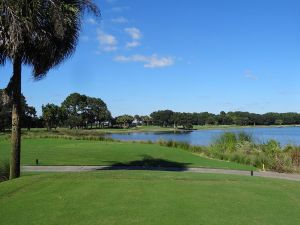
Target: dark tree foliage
<point>52,115</point>
<point>124,121</point>
<point>28,113</point>
<point>81,111</point>
<point>163,118</point>
<point>186,120</point>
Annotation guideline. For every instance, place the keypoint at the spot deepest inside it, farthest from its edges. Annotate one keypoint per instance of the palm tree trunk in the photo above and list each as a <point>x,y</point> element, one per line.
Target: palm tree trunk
<point>16,120</point>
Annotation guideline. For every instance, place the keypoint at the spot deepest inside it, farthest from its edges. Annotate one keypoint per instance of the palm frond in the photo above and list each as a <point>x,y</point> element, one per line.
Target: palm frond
<point>43,33</point>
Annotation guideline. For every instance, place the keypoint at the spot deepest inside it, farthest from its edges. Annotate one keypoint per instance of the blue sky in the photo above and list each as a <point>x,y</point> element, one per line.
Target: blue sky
<point>185,55</point>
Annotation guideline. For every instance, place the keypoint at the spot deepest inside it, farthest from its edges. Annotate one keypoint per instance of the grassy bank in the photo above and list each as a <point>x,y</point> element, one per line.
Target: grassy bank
<point>148,198</point>
<point>60,151</point>
<point>97,132</point>
<point>241,148</point>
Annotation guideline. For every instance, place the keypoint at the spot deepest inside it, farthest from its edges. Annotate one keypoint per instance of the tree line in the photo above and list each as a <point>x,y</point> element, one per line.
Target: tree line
<point>187,120</point>
<point>79,111</point>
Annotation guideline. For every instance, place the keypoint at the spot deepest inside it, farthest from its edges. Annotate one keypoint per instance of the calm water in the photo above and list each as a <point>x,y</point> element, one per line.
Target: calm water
<point>285,135</point>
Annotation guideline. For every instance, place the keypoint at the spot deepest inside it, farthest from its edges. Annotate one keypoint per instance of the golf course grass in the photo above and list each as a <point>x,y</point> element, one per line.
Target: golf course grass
<point>60,151</point>
<point>148,198</point>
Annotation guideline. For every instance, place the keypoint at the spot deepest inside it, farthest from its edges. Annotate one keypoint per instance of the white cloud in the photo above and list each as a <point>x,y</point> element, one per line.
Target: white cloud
<point>107,42</point>
<point>119,9</point>
<point>149,61</point>
<point>119,20</point>
<point>134,33</point>
<point>133,44</point>
<point>249,75</point>
<point>91,21</point>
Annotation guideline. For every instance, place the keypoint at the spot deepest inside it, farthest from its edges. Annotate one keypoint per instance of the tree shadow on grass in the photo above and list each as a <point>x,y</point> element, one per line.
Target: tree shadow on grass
<point>148,163</point>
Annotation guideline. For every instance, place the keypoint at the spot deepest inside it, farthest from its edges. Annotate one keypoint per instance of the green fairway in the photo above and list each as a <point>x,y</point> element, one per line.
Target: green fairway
<point>81,152</point>
<point>148,198</point>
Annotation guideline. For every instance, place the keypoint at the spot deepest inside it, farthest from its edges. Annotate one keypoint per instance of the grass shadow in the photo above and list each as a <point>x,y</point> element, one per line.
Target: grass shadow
<point>148,163</point>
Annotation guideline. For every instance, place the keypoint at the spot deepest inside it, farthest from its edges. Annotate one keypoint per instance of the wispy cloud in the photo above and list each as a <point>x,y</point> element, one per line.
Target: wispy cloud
<point>134,33</point>
<point>119,9</point>
<point>133,44</point>
<point>152,61</point>
<point>119,20</point>
<point>107,42</point>
<point>249,75</point>
<point>91,21</point>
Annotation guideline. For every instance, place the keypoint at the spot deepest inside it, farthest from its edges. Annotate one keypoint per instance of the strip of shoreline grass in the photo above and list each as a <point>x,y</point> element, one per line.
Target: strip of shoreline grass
<point>148,198</point>
<point>82,152</point>
<point>103,131</point>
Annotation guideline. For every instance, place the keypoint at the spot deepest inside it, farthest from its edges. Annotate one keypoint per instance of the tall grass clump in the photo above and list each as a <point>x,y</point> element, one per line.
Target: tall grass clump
<point>241,148</point>
<point>182,145</point>
<point>229,142</point>
<point>294,153</point>
<point>4,170</point>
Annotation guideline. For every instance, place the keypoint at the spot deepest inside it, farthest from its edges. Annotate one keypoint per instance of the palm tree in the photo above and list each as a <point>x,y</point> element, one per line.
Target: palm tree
<point>41,34</point>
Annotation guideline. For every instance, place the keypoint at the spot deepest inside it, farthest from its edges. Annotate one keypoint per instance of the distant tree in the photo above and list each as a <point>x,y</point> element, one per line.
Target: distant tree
<point>5,111</point>
<point>41,34</point>
<point>82,110</point>
<point>51,114</point>
<point>28,113</point>
<point>270,118</point>
<point>29,116</point>
<point>97,111</point>
<point>185,120</point>
<point>163,118</point>
<point>124,120</point>
<point>146,120</point>
<point>74,105</point>
<point>278,122</point>
<point>138,119</point>
<point>205,118</point>
<point>221,118</point>
<point>227,120</point>
<point>290,118</point>
<point>210,120</point>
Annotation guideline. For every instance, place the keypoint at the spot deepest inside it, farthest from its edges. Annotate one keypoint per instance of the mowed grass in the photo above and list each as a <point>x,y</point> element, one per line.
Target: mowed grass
<point>148,198</point>
<point>82,152</point>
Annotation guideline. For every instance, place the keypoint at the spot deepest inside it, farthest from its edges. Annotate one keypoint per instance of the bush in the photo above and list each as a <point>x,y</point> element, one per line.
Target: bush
<point>241,148</point>
<point>226,142</point>
<point>271,147</point>
<point>245,137</point>
<point>282,163</point>
<point>4,170</point>
<point>294,153</point>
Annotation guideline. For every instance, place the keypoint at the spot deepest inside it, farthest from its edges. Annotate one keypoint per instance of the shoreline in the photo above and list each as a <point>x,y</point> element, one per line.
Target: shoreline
<point>196,128</point>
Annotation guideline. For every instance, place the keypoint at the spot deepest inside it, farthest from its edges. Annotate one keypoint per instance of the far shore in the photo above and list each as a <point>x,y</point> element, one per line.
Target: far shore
<point>99,131</point>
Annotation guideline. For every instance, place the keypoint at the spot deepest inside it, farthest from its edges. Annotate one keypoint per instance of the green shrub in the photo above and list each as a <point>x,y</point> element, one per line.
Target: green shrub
<point>245,137</point>
<point>226,142</point>
<point>241,148</point>
<point>271,147</point>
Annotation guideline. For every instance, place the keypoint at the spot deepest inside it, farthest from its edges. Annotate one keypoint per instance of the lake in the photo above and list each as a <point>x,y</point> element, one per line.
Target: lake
<point>285,135</point>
